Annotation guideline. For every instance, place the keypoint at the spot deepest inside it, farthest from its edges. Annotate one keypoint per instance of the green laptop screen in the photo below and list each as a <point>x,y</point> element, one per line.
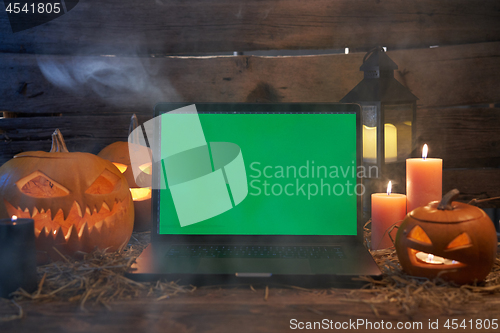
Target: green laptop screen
<point>258,174</point>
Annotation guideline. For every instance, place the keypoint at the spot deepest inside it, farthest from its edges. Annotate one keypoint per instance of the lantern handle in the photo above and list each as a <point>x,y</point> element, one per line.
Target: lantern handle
<point>372,50</point>
<point>445,203</point>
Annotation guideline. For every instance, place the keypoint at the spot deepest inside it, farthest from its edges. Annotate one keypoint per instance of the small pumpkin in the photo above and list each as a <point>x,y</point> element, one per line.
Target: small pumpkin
<point>451,240</point>
<point>118,154</point>
<point>78,201</point>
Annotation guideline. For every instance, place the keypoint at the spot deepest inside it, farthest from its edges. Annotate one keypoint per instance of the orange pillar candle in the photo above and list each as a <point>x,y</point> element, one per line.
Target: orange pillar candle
<point>387,209</point>
<point>424,178</point>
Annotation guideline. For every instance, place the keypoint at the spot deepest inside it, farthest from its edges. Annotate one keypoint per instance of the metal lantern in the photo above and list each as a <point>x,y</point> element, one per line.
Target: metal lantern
<point>388,120</point>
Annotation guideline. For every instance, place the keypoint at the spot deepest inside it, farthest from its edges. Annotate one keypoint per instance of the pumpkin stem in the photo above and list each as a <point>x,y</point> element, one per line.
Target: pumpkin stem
<point>134,123</point>
<point>445,203</point>
<point>58,144</point>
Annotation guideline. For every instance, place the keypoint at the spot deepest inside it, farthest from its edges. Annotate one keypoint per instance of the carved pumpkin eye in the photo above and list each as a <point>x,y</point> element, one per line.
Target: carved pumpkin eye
<point>38,185</point>
<point>121,167</point>
<point>146,168</point>
<point>104,184</point>
<point>460,241</point>
<point>418,234</point>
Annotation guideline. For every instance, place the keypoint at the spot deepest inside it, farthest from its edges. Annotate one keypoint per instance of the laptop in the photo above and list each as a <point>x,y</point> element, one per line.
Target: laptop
<point>254,193</point>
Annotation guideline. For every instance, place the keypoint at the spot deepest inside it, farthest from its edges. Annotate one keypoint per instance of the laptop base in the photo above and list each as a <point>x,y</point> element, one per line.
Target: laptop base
<point>153,265</point>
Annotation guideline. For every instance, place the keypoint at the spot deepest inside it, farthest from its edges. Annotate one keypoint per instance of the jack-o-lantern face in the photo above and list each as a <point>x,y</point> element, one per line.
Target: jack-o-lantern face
<point>457,245</point>
<point>78,201</point>
<point>118,154</point>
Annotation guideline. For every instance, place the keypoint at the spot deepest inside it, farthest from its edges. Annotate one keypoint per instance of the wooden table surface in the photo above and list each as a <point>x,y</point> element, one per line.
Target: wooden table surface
<point>237,309</point>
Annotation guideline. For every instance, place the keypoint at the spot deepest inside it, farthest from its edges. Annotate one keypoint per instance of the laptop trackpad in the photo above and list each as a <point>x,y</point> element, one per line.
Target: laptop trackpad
<point>250,265</point>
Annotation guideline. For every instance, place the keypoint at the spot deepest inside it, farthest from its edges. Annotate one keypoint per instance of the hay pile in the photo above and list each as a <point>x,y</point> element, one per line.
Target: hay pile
<point>98,278</point>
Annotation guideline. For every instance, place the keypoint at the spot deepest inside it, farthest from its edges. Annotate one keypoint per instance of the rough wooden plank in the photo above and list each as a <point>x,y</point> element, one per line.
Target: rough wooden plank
<point>474,184</point>
<point>463,137</point>
<point>91,134</point>
<point>84,144</point>
<point>450,76</point>
<point>167,27</point>
<point>81,133</point>
<point>444,76</point>
<point>227,309</point>
<point>86,84</point>
<point>71,126</point>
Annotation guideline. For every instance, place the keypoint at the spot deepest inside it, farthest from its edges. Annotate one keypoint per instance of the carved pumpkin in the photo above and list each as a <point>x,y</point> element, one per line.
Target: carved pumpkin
<point>78,201</point>
<point>451,240</point>
<point>118,153</point>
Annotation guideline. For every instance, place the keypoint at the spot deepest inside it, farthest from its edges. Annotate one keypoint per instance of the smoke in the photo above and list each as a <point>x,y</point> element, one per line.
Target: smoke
<point>119,81</point>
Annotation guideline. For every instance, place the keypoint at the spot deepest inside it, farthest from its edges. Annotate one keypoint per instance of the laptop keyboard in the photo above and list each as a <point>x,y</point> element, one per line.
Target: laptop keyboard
<point>253,251</point>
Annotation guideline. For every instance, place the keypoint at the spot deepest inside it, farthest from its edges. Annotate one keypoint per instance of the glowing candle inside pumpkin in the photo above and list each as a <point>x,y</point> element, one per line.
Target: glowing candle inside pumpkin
<point>423,180</point>
<point>432,259</point>
<point>387,209</point>
<point>140,194</point>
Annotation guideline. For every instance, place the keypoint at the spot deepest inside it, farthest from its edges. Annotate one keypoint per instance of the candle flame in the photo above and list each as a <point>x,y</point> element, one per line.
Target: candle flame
<point>424,151</point>
<point>14,218</point>
<point>389,188</point>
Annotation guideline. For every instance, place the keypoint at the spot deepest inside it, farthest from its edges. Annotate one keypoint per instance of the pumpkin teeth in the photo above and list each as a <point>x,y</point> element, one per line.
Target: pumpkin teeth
<point>72,235</point>
<point>105,206</point>
<point>78,209</point>
<point>98,225</point>
<point>82,229</point>
<point>110,204</point>
<point>55,230</point>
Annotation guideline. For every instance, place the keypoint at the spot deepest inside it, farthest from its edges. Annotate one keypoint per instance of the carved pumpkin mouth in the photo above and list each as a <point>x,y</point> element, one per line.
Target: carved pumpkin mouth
<point>429,260</point>
<point>77,220</point>
<point>140,193</point>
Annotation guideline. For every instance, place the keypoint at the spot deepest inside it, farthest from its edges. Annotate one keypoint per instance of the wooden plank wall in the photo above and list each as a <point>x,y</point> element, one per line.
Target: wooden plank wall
<point>168,27</point>
<point>89,70</point>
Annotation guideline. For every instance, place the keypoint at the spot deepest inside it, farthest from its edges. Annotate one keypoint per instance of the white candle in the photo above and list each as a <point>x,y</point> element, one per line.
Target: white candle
<point>370,143</point>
